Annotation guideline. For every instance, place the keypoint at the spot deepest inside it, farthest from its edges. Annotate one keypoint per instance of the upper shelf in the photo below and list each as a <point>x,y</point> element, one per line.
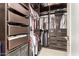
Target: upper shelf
<point>53,7</point>
<point>25,5</point>
<point>18,8</point>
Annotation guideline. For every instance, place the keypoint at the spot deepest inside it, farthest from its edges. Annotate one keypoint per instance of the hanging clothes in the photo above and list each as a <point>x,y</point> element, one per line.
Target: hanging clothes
<point>63,23</point>
<point>34,41</point>
<point>45,38</point>
<point>42,38</point>
<point>52,22</point>
<point>34,44</point>
<point>46,21</point>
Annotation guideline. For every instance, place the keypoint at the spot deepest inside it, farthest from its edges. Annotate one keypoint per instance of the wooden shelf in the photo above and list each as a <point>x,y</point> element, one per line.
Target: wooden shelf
<point>17,24</point>
<point>25,6</point>
<point>18,8</point>
<point>15,11</point>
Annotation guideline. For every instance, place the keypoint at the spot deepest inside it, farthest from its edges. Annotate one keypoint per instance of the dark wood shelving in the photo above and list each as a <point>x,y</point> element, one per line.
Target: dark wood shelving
<point>18,24</point>
<point>25,6</point>
<point>16,12</point>
<point>14,25</point>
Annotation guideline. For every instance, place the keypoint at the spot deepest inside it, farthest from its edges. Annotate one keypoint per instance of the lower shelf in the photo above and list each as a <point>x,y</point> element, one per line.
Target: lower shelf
<point>16,41</point>
<point>21,51</point>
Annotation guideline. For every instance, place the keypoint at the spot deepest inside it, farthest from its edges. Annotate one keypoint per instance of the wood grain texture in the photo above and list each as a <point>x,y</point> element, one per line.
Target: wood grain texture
<point>15,30</point>
<point>12,17</point>
<point>11,30</point>
<point>19,8</point>
<point>16,42</point>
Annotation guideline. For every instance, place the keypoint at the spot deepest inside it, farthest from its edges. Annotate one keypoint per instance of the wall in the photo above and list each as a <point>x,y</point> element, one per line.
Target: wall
<point>75,28</point>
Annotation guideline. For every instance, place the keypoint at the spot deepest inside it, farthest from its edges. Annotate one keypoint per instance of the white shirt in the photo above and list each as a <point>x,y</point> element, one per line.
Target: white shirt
<point>33,39</point>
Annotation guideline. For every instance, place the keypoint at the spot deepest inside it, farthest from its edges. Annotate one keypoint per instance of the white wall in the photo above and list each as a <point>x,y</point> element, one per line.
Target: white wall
<point>75,28</point>
<point>69,28</point>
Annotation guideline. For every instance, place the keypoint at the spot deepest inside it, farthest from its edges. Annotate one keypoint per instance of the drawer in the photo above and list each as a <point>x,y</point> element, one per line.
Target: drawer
<point>12,17</point>
<point>62,34</point>
<point>52,34</point>
<point>64,30</point>
<point>62,39</point>
<point>15,41</point>
<point>14,30</point>
<point>52,38</point>
<point>18,8</point>
<point>62,46</point>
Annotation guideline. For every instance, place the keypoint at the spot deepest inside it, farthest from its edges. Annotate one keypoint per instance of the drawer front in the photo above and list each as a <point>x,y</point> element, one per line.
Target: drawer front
<point>17,19</point>
<point>62,46</point>
<point>62,34</point>
<point>19,8</point>
<point>14,30</point>
<point>12,43</point>
<point>52,38</point>
<point>52,34</point>
<point>62,39</point>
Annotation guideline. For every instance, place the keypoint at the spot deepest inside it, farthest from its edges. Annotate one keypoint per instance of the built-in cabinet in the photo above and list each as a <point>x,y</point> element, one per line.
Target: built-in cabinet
<point>14,29</point>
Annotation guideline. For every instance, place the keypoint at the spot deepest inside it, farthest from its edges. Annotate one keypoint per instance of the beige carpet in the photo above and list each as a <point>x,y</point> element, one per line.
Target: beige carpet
<point>51,52</point>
